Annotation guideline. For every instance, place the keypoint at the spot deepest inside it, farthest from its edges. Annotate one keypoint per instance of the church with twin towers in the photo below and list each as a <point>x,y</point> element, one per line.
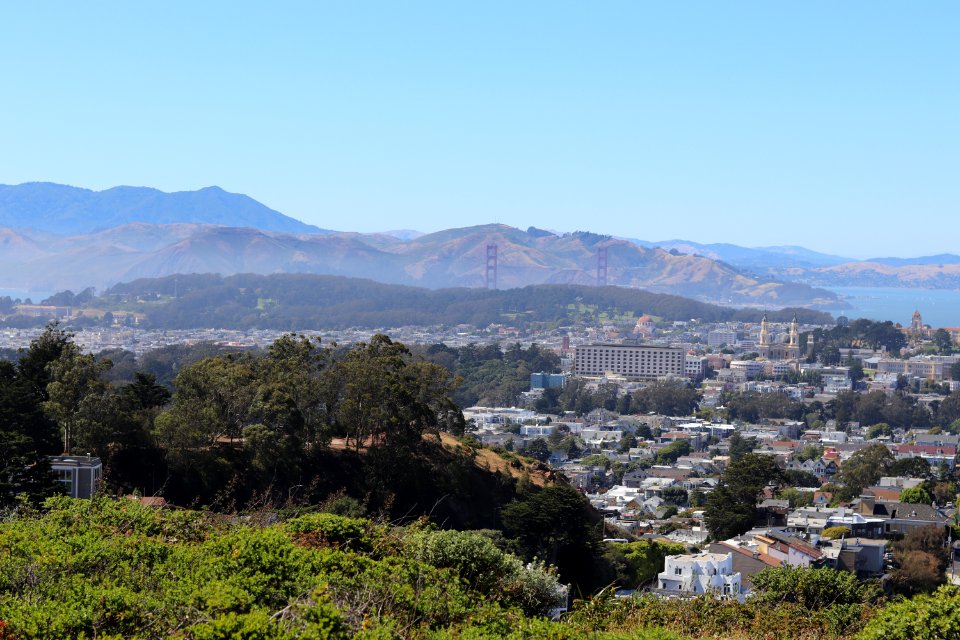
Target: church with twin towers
<point>789,350</point>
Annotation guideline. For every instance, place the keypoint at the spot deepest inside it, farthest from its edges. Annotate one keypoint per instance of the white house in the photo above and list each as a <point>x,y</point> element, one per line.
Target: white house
<point>700,573</point>
<point>537,430</point>
<point>79,475</point>
<point>600,437</point>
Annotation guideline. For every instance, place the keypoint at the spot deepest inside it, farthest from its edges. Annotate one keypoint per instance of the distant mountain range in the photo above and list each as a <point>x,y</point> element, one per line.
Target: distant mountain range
<point>800,265</point>
<point>56,237</point>
<point>759,258</point>
<point>64,210</point>
<point>450,258</point>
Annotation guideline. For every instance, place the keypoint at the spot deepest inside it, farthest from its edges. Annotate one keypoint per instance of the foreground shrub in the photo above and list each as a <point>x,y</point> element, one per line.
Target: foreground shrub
<point>533,587</point>
<point>705,616</point>
<point>924,617</point>
<point>331,530</point>
<point>812,589</point>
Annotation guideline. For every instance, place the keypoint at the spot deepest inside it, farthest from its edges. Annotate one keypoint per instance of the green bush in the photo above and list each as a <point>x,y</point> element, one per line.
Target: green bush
<point>835,533</point>
<point>472,555</point>
<point>328,529</point>
<point>812,589</point>
<point>477,560</point>
<point>924,617</point>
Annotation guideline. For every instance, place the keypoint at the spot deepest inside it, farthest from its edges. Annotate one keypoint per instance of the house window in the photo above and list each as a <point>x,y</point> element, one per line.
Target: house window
<point>678,571</point>
<point>65,476</point>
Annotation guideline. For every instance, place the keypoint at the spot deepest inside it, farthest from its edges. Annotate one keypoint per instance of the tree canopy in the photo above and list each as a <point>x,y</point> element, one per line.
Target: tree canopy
<point>732,507</point>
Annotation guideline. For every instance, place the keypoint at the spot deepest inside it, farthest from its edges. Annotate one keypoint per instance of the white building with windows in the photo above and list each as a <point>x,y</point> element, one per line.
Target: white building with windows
<point>80,475</point>
<point>537,430</point>
<point>694,367</point>
<point>700,573</point>
<point>751,369</point>
<point>632,361</point>
<point>721,337</point>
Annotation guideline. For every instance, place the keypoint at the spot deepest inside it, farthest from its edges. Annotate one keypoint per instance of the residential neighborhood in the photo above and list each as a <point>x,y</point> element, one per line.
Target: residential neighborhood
<point>649,421</point>
<point>845,492</point>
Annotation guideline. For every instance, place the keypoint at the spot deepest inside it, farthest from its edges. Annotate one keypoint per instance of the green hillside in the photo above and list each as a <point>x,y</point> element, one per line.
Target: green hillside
<point>299,301</point>
<point>113,569</point>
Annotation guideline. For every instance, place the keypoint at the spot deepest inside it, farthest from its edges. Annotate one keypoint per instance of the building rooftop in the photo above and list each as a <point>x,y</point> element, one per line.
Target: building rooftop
<point>75,461</point>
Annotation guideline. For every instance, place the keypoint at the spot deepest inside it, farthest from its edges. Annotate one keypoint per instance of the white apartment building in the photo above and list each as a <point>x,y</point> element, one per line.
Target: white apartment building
<point>645,362</point>
<point>750,368</point>
<point>601,437</point>
<point>719,337</point>
<point>537,430</point>
<point>494,418</point>
<point>694,366</point>
<point>700,573</point>
<point>779,368</point>
<point>836,382</point>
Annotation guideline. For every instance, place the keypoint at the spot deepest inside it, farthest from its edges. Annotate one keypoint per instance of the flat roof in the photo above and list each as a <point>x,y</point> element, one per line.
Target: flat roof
<point>74,461</point>
<point>628,346</point>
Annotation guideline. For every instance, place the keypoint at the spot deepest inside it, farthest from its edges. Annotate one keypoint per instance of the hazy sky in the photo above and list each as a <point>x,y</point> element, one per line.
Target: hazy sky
<point>834,125</point>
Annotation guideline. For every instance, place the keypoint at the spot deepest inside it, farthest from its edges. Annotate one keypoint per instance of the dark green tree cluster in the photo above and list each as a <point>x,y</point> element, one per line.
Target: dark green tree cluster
<point>27,435</point>
<point>857,333</point>
<point>490,375</point>
<point>948,413</point>
<point>670,453</point>
<point>732,507</point>
<point>666,397</point>
<point>581,399</point>
<point>636,564</point>
<point>557,525</point>
<point>275,415</point>
<point>55,400</point>
<point>864,469</point>
<point>292,302</point>
<point>70,299</point>
<point>738,446</point>
<point>757,407</point>
<point>292,425</point>
<point>896,410</point>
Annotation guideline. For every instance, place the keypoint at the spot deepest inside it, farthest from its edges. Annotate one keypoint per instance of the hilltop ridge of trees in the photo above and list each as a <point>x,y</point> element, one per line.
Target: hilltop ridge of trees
<point>299,423</point>
<point>294,302</point>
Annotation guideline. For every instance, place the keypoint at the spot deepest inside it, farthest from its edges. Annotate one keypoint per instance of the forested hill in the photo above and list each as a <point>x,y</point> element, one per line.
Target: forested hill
<point>301,301</point>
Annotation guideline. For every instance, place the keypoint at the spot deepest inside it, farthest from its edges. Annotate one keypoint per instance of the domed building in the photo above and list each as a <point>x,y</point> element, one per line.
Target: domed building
<point>644,326</point>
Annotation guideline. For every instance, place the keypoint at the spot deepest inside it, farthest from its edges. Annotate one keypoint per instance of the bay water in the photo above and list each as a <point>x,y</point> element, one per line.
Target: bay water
<point>938,307</point>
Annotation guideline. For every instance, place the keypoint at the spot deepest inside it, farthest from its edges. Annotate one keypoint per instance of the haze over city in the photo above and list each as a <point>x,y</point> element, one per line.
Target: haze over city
<point>825,125</point>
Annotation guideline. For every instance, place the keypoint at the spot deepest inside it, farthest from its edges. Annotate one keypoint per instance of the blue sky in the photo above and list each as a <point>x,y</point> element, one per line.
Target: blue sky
<point>831,125</point>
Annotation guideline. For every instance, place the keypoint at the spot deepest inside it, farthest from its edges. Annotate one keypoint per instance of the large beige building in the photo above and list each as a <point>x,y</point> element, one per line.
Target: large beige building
<point>629,360</point>
<point>935,368</point>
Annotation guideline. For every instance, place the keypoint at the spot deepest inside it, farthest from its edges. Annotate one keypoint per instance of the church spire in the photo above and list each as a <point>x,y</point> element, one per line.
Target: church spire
<point>764,332</point>
<point>794,333</point>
